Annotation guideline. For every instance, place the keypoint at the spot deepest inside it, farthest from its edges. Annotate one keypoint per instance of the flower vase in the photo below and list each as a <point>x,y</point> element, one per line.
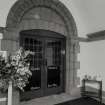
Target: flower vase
<point>10,93</point>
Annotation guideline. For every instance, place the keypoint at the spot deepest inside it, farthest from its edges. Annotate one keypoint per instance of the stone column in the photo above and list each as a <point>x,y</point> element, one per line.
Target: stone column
<point>67,89</point>
<point>71,64</point>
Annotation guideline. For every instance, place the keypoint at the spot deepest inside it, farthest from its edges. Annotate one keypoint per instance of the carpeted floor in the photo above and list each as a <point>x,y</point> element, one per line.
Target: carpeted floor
<point>82,101</point>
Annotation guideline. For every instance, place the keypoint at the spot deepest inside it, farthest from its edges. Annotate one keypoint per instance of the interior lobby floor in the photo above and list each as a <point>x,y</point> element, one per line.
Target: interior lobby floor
<point>50,100</point>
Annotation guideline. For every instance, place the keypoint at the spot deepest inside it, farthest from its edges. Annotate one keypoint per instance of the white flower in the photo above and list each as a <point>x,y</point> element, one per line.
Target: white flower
<point>8,65</point>
<point>14,58</point>
<point>29,72</point>
<point>20,69</point>
<point>13,63</point>
<point>18,57</point>
<point>20,64</point>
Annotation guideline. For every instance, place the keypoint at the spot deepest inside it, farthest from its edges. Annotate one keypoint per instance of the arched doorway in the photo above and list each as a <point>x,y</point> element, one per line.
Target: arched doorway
<point>47,64</point>
<point>52,22</point>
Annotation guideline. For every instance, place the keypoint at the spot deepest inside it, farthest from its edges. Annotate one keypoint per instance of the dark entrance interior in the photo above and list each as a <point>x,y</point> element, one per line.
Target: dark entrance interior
<point>47,65</point>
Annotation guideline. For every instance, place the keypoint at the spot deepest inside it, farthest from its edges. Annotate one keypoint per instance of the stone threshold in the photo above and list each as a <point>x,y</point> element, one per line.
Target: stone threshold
<point>50,100</point>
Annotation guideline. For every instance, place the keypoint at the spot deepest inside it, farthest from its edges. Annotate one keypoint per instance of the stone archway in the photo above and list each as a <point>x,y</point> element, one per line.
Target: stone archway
<point>10,41</point>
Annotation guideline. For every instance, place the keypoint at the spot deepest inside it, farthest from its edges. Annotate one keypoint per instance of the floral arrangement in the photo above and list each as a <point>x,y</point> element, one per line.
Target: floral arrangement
<point>16,69</point>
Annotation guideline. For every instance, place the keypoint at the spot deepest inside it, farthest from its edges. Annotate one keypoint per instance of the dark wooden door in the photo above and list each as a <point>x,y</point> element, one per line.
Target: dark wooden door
<point>54,66</point>
<point>47,65</point>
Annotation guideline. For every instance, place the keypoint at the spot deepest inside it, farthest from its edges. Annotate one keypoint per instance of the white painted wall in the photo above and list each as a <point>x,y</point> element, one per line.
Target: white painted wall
<point>90,17</point>
<point>92,60</point>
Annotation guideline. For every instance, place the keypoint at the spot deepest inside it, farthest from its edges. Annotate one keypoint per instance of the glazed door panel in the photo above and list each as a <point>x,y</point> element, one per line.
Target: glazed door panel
<point>47,66</point>
<point>54,65</point>
<point>35,86</point>
<point>36,63</point>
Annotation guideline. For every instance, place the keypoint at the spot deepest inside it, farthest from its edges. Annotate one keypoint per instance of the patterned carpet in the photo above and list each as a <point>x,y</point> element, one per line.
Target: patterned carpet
<point>82,101</point>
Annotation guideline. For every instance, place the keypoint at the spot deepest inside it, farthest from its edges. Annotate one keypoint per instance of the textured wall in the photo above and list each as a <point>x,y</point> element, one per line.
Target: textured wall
<point>43,18</point>
<point>49,15</point>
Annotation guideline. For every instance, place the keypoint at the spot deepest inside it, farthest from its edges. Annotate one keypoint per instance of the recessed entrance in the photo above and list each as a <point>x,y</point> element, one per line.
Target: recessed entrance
<point>47,65</point>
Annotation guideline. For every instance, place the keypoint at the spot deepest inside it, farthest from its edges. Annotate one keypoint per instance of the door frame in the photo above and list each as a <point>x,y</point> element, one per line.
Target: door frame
<point>45,34</point>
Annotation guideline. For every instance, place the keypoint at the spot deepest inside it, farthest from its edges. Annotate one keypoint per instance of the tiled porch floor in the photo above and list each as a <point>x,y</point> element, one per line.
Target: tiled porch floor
<point>49,100</point>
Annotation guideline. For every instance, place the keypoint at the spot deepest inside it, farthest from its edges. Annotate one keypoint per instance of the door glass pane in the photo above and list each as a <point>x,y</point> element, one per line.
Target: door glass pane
<point>53,59</point>
<point>35,46</point>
